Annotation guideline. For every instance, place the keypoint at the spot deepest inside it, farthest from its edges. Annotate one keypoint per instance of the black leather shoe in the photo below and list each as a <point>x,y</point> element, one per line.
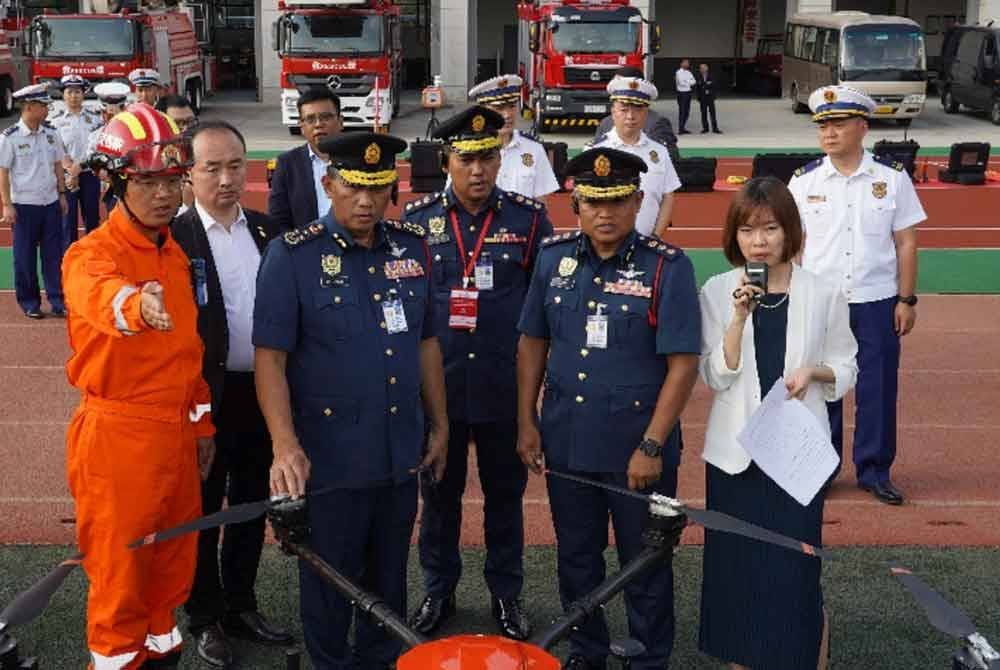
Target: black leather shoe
<point>511,618</point>
<point>254,627</point>
<point>432,613</point>
<point>884,492</point>
<point>717,131</point>
<point>576,662</point>
<point>34,314</point>
<point>214,648</point>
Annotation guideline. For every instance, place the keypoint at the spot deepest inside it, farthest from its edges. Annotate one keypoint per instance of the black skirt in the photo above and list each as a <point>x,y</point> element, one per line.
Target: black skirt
<point>762,605</point>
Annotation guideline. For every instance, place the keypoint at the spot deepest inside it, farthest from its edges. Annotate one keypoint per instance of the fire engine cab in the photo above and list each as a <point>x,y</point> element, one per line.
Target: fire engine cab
<point>106,46</point>
<point>352,47</point>
<point>568,51</point>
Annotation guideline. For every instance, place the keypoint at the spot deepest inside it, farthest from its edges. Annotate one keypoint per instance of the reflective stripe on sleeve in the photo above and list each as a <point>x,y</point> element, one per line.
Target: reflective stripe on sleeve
<point>199,411</point>
<point>116,305</point>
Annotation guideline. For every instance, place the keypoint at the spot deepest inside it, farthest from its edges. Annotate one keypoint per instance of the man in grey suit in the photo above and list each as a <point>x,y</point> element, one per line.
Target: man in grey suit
<point>657,127</point>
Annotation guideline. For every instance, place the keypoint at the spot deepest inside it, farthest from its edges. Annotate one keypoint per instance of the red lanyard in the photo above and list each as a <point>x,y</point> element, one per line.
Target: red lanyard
<point>471,264</point>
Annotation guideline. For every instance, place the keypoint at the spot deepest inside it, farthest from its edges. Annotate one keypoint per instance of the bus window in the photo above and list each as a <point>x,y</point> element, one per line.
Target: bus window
<point>831,48</point>
<point>884,53</point>
<point>808,43</point>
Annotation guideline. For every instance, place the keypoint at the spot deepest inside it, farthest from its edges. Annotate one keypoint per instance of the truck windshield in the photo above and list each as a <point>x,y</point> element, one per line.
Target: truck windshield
<point>335,34</point>
<point>84,38</point>
<point>595,38</point>
<point>884,53</point>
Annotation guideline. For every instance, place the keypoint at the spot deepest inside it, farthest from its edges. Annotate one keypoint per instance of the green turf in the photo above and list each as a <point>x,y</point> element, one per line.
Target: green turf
<point>941,270</point>
<point>874,622</point>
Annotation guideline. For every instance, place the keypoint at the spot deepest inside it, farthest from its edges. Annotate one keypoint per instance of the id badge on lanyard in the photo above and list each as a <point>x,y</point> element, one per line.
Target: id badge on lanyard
<point>394,314</point>
<point>597,328</point>
<point>463,303</point>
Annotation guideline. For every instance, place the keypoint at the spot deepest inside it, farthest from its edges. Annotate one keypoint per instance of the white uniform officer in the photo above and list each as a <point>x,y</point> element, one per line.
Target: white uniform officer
<point>859,214</point>
<point>524,163</point>
<point>112,95</point>
<point>147,85</point>
<point>83,188</point>
<point>34,200</point>
<point>630,99</point>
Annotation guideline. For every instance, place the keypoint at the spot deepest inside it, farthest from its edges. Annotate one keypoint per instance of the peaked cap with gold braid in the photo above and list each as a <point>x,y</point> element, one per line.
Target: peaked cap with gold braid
<point>364,159</point>
<point>472,131</point>
<point>605,174</point>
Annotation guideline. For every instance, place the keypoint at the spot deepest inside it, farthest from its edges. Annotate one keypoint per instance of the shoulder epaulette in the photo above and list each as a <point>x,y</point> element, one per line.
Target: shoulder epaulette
<point>523,200</point>
<point>888,162</point>
<point>594,142</point>
<point>808,167</point>
<point>10,131</point>
<point>415,205</point>
<point>294,238</point>
<point>48,125</point>
<point>59,114</point>
<point>562,237</point>
<point>669,251</point>
<point>406,227</point>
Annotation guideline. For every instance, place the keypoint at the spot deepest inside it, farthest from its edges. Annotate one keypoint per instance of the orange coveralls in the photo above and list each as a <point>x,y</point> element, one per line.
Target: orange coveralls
<point>131,455</point>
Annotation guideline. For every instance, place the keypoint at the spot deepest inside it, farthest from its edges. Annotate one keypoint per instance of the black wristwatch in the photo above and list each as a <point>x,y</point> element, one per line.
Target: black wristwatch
<point>651,447</point>
<point>910,300</point>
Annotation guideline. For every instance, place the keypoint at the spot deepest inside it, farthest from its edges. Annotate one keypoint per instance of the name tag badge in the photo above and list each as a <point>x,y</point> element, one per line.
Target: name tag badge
<point>395,316</point>
<point>200,275</point>
<point>597,330</point>
<point>484,273</point>
<point>463,308</point>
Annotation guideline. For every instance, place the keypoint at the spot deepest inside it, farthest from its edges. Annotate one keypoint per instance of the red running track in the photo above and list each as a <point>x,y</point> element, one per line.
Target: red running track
<point>948,463</point>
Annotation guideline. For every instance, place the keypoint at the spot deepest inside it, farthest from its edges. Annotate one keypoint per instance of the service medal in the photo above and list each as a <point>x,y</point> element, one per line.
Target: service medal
<point>567,266</point>
<point>330,263</point>
<point>436,225</point>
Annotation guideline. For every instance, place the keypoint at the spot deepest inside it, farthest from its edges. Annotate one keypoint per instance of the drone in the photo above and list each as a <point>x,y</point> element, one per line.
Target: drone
<point>666,519</point>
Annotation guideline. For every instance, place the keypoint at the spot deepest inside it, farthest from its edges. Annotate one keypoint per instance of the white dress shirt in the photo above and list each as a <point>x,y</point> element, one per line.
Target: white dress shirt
<point>319,169</point>
<point>659,180</point>
<point>236,261</point>
<point>849,224</point>
<point>525,168</point>
<point>684,80</point>
<point>75,130</point>
<point>819,333</point>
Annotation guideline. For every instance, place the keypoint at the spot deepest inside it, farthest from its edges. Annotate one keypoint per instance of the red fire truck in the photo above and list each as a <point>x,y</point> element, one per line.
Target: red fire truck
<point>353,47</point>
<point>13,74</point>
<point>568,51</point>
<point>107,46</point>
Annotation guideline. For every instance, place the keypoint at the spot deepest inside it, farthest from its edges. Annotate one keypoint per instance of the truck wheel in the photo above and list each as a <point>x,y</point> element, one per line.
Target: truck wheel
<point>6,99</point>
<point>948,102</point>
<point>294,130</point>
<point>194,96</point>
<point>797,107</point>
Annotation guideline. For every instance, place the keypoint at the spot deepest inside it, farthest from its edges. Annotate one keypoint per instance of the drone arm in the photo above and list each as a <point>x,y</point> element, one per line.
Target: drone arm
<point>577,612</point>
<point>359,598</point>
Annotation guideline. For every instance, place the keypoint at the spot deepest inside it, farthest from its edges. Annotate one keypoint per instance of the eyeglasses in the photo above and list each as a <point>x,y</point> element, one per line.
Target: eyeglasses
<point>316,119</point>
<point>154,184</point>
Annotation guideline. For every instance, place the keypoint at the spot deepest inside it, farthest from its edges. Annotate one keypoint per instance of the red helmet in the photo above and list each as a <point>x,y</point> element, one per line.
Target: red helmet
<point>477,652</point>
<point>141,140</point>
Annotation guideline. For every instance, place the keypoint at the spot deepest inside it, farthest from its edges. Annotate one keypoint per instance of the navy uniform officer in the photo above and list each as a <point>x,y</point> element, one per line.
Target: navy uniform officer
<point>484,242</point>
<point>112,95</point>
<point>612,321</point>
<point>33,191</point>
<point>83,189</point>
<point>345,348</point>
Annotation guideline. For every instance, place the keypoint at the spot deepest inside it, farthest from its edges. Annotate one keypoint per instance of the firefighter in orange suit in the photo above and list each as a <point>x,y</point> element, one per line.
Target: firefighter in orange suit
<point>143,428</point>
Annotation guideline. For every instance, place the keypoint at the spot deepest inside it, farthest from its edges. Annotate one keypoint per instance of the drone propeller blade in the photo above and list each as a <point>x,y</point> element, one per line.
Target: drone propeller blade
<point>29,604</point>
<point>234,514</point>
<point>943,615</point>
<point>710,519</point>
<point>729,524</point>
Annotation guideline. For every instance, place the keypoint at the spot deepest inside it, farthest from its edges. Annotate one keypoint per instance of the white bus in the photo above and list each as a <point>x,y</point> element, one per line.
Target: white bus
<point>883,56</point>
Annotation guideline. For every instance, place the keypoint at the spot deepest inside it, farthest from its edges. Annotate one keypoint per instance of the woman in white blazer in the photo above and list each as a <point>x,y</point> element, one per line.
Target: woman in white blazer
<point>762,606</point>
